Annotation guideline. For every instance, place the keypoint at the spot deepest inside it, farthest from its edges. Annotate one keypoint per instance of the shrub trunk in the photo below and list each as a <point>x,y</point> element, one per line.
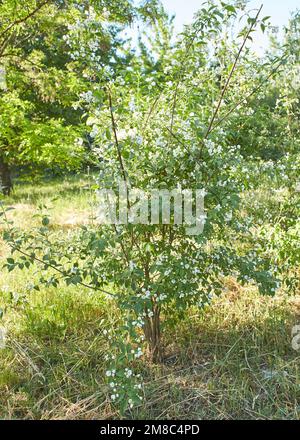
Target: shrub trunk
<point>153,335</point>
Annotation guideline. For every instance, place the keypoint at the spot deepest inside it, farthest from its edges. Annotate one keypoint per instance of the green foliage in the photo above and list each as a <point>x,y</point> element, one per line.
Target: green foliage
<point>40,121</point>
<point>168,116</point>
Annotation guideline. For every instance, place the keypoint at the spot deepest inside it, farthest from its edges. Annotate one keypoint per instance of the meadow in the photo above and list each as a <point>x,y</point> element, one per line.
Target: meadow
<point>231,360</point>
<point>186,310</point>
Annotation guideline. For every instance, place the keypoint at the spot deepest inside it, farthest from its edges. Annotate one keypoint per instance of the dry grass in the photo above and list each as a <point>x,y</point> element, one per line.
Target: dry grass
<point>233,360</point>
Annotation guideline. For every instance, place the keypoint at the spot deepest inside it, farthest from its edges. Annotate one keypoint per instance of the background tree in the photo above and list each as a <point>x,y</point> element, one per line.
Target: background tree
<point>46,79</point>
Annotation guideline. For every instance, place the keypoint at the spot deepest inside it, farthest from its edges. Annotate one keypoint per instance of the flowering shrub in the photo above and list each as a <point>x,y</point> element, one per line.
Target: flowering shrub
<point>159,129</point>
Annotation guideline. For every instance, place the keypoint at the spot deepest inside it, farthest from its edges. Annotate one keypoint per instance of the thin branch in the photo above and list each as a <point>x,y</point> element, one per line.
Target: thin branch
<point>114,128</point>
<point>182,71</point>
<point>24,19</point>
<point>177,139</point>
<point>232,70</point>
<point>33,257</point>
<point>5,43</point>
<point>257,89</point>
<point>14,247</point>
<point>151,111</point>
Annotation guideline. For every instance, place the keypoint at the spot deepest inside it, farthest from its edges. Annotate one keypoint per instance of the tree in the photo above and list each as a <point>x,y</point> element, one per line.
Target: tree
<point>41,72</point>
<point>11,23</point>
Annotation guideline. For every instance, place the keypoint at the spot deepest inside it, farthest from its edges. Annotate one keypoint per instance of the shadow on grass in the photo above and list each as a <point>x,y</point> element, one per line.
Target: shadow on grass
<point>232,361</point>
<point>37,191</point>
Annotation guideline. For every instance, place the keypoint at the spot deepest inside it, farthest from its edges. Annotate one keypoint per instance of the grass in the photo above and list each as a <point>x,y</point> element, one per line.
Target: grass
<point>233,360</point>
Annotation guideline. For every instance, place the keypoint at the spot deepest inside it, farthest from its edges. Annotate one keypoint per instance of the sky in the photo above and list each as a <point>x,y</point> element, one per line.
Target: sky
<point>279,10</point>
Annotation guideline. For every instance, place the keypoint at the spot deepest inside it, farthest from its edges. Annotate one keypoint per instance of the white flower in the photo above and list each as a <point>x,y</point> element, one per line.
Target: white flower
<point>228,216</point>
<point>128,373</point>
<point>139,353</point>
<point>130,401</point>
<point>125,134</point>
<point>132,105</point>
<point>79,142</point>
<point>139,140</point>
<point>131,265</point>
<point>87,96</point>
<point>94,131</point>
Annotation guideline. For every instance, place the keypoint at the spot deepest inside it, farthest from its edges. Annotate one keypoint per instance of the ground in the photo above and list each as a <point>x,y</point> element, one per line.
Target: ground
<point>233,360</point>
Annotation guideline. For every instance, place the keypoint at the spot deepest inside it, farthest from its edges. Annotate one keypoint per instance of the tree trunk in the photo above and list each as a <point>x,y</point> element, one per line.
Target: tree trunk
<point>5,177</point>
<point>153,336</point>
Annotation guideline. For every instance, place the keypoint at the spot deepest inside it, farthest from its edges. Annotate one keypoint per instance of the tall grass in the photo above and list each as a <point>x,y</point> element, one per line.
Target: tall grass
<point>233,360</point>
